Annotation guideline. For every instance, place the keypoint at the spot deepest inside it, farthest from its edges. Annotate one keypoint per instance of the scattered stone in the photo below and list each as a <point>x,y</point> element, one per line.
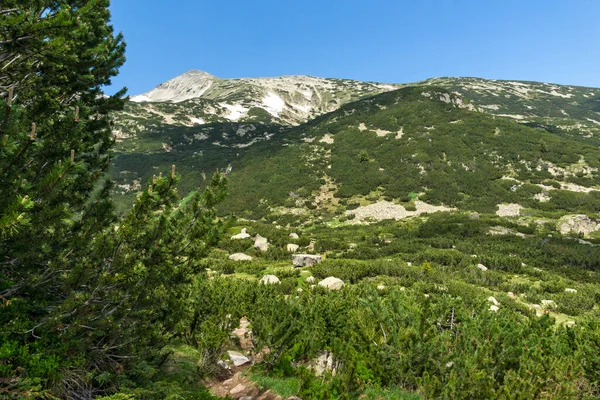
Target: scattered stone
<point>294,235</point>
<point>511,295</point>
<point>482,267</point>
<point>269,280</point>
<point>310,279</point>
<point>381,287</point>
<point>332,283</point>
<point>242,235</point>
<point>240,257</point>
<point>409,264</point>
<point>238,358</point>
<point>509,210</point>
<point>493,300</point>
<point>305,260</point>
<point>570,323</point>
<point>494,308</point>
<point>569,290</point>
<point>299,290</point>
<point>238,389</point>
<point>223,365</point>
<point>261,243</point>
<point>383,210</point>
<point>292,248</point>
<point>536,306</point>
<point>578,224</point>
<point>449,364</point>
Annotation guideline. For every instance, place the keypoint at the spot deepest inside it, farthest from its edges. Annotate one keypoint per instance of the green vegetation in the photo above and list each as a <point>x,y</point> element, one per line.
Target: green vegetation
<point>146,303</point>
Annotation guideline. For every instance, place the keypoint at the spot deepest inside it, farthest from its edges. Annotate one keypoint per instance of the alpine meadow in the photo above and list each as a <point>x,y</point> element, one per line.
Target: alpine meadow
<point>289,237</point>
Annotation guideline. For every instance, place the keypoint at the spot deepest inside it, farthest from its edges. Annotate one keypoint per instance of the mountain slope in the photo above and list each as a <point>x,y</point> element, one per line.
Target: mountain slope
<point>572,111</point>
<point>197,97</point>
<point>419,141</point>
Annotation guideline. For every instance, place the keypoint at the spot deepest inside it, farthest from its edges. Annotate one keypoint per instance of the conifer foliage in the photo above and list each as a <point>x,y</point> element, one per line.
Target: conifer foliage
<point>82,292</point>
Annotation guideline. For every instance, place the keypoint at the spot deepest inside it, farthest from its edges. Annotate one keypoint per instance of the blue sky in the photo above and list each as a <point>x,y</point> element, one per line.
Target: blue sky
<point>374,40</point>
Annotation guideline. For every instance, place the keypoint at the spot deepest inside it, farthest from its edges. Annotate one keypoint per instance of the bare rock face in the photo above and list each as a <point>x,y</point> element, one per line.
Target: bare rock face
<point>305,260</point>
<point>269,280</point>
<point>240,257</point>
<point>332,283</point>
<point>242,235</point>
<point>261,243</point>
<point>292,248</point>
<point>578,224</point>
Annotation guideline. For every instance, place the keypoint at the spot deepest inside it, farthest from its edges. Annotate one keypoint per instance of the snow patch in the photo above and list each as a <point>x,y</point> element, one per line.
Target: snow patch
<point>236,111</point>
<point>273,104</point>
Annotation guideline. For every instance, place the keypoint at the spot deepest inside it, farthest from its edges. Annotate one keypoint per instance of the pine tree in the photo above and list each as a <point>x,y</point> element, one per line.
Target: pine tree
<point>83,293</point>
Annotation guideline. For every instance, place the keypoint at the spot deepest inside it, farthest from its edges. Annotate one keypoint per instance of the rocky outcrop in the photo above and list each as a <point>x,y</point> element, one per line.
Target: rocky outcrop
<point>242,235</point>
<point>305,260</point>
<point>261,243</point>
<point>332,283</point>
<point>269,280</point>
<point>578,224</point>
<point>240,257</point>
<point>292,248</point>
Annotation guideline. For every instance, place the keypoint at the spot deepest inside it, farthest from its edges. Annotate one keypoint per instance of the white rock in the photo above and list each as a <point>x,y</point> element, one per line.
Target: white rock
<point>269,279</point>
<point>242,235</point>
<point>299,290</point>
<point>570,323</point>
<point>511,295</point>
<point>294,235</point>
<point>332,283</point>
<point>240,257</point>
<point>381,287</point>
<point>292,248</point>
<point>536,306</point>
<point>305,260</point>
<point>482,267</point>
<point>494,308</point>
<point>261,243</point>
<point>493,300</point>
<point>323,363</point>
<point>569,290</point>
<point>238,358</point>
<point>310,279</point>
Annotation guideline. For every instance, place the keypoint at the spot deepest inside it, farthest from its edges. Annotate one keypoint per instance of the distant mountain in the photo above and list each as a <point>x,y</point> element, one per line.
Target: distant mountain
<point>197,97</point>
<point>464,143</point>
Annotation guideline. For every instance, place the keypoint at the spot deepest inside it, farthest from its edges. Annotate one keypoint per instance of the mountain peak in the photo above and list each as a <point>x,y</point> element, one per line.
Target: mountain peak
<point>186,86</point>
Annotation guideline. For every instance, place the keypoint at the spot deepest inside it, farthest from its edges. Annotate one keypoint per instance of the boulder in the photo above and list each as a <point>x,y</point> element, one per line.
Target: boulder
<point>269,279</point>
<point>494,308</point>
<point>511,295</point>
<point>323,363</point>
<point>332,283</point>
<point>381,287</point>
<point>310,279</point>
<point>261,243</point>
<point>493,300</point>
<point>294,235</point>
<point>305,260</point>
<point>238,358</point>
<point>240,257</point>
<point>569,290</point>
<point>242,235</point>
<point>292,248</point>
<point>482,267</point>
<point>238,389</point>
